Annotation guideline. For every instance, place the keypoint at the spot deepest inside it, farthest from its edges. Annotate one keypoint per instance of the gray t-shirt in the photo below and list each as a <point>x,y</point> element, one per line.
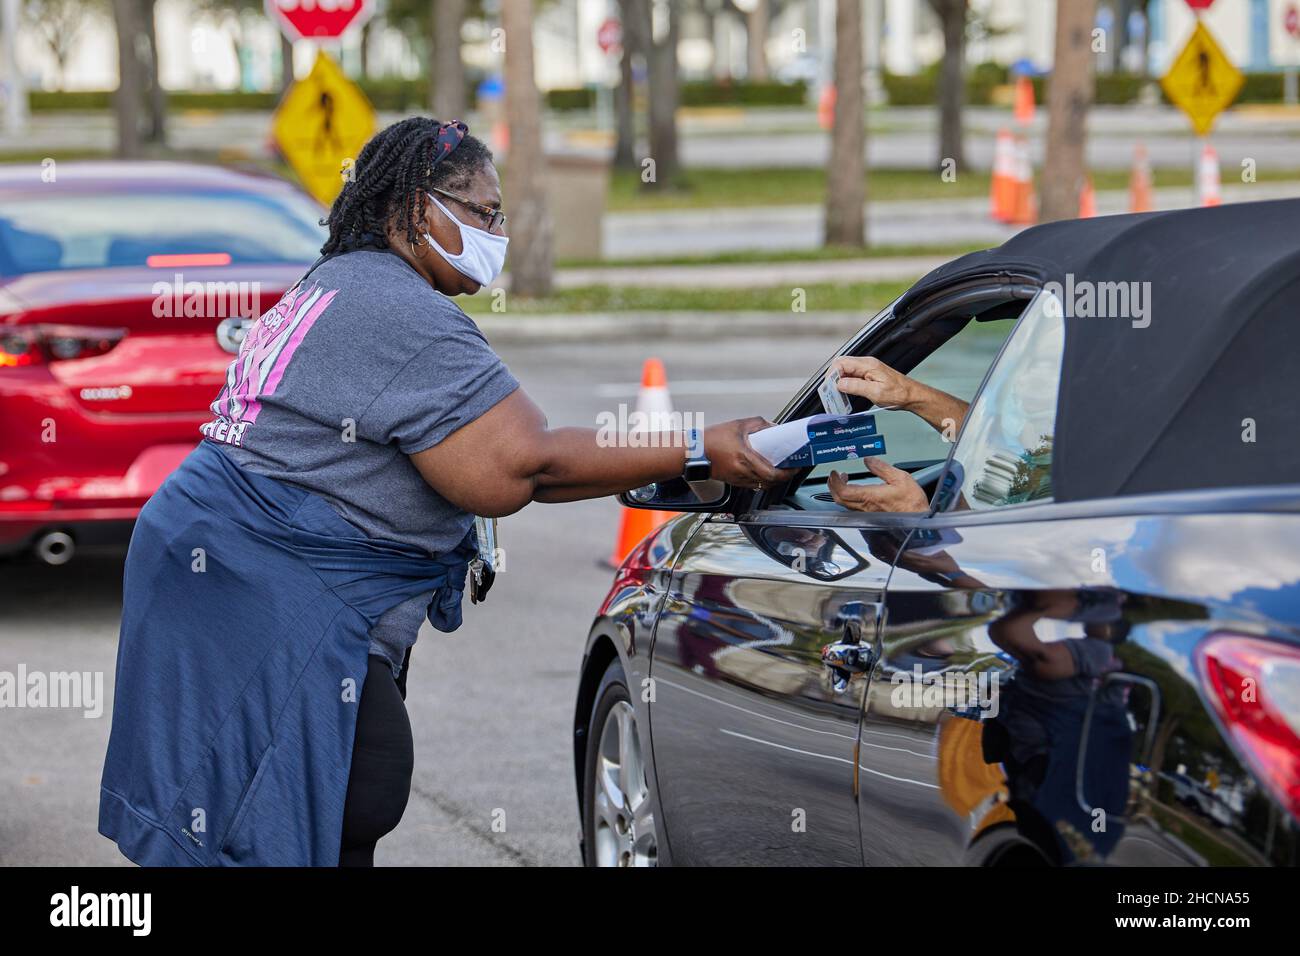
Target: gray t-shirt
<point>355,368</point>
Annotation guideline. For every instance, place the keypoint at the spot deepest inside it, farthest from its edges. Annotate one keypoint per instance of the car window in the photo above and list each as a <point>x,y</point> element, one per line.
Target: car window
<point>957,367</point>
<point>95,231</point>
<point>1004,453</point>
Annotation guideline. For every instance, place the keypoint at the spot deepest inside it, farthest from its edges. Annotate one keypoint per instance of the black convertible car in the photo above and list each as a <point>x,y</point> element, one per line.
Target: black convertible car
<point>1087,650</point>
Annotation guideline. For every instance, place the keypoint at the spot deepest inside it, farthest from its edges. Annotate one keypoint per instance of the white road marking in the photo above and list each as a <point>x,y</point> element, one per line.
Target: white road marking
<point>737,386</point>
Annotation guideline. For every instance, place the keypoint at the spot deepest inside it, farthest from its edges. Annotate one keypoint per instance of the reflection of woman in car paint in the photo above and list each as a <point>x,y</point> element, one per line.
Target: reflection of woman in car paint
<point>1040,724</point>
<point>1034,737</point>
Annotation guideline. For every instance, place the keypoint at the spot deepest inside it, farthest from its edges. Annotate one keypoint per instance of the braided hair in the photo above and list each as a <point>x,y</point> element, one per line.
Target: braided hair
<point>391,176</point>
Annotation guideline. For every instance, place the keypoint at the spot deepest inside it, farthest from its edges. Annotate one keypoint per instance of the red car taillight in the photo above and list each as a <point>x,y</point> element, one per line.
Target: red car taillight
<point>38,344</point>
<point>1255,688</point>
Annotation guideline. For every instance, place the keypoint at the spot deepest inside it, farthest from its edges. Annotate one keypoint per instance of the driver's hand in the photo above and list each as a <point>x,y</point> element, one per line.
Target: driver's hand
<point>734,459</point>
<point>873,379</point>
<point>900,492</point>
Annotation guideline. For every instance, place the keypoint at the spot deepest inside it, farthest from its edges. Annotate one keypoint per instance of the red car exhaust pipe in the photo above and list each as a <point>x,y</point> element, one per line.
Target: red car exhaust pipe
<point>55,547</point>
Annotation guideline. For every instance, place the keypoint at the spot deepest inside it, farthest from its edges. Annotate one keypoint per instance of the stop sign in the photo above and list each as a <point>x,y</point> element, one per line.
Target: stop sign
<point>301,19</point>
<point>1199,4</point>
<point>609,36</point>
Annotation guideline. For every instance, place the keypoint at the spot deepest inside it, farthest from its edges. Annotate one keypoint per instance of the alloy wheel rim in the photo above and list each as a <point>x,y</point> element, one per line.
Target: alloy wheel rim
<point>624,825</point>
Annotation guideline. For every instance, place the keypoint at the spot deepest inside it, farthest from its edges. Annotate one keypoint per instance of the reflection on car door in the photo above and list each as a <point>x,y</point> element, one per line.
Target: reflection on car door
<point>1057,762</point>
<point>754,735</point>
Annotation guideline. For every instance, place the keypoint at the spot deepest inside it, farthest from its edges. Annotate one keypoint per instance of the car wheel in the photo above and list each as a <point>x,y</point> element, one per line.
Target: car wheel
<point>618,824</point>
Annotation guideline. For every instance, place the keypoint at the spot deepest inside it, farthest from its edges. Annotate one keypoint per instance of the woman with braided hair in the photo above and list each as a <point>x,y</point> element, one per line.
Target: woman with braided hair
<point>276,581</point>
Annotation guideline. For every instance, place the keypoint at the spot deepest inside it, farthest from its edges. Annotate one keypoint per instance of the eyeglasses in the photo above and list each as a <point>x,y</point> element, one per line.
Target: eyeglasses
<point>494,218</point>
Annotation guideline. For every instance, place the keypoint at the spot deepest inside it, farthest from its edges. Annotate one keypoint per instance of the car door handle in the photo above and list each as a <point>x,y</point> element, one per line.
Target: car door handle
<point>850,656</point>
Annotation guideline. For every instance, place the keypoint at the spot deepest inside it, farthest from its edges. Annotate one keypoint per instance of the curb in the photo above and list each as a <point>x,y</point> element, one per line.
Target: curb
<point>640,326</point>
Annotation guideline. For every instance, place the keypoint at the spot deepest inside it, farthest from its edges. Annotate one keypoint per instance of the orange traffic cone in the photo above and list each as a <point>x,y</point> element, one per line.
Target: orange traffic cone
<point>654,412</point>
<point>826,107</point>
<point>1025,212</point>
<point>1207,177</point>
<point>1002,185</point>
<point>1024,108</point>
<point>1087,199</point>
<point>1139,183</point>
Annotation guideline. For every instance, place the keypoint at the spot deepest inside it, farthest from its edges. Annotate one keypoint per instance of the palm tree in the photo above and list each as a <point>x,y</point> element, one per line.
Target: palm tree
<point>448,73</point>
<point>156,96</point>
<point>952,79</point>
<point>286,63</point>
<point>846,175</point>
<point>634,22</point>
<point>532,249</point>
<point>756,26</point>
<point>664,95</point>
<point>131,73</point>
<point>1069,96</point>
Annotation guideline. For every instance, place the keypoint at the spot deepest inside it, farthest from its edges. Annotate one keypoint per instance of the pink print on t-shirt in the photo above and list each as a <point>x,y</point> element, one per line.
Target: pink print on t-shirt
<point>263,357</point>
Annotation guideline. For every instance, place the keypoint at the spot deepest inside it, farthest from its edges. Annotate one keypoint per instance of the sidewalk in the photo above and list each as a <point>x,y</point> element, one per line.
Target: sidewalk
<point>533,329</point>
<point>914,222</point>
<point>754,274</point>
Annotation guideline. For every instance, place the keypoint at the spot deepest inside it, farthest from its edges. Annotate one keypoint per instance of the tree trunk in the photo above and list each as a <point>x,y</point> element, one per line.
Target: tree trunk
<point>756,38</point>
<point>157,128</point>
<point>286,63</point>
<point>1069,96</point>
<point>531,246</point>
<point>363,48</point>
<point>630,14</point>
<point>130,82</point>
<point>846,173</point>
<point>664,94</point>
<point>952,81</point>
<point>448,73</point>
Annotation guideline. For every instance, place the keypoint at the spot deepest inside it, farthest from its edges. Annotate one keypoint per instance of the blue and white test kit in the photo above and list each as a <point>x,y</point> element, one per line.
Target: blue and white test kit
<point>819,440</point>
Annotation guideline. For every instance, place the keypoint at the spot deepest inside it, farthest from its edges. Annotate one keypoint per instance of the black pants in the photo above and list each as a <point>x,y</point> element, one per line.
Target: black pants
<point>383,756</point>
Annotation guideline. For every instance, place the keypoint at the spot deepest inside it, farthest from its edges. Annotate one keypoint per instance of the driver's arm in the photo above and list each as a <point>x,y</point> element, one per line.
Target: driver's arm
<point>898,490</point>
<point>874,380</point>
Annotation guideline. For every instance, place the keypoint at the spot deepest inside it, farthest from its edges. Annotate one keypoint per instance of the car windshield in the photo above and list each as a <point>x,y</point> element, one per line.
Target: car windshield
<point>159,229</point>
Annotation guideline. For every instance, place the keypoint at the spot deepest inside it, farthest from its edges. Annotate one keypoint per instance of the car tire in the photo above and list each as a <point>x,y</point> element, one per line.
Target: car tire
<point>618,823</point>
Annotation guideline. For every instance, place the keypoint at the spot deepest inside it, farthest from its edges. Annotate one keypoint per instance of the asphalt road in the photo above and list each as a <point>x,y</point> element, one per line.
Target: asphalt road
<point>491,706</point>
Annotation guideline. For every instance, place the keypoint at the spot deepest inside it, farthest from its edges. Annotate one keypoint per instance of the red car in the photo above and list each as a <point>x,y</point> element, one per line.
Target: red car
<point>124,292</point>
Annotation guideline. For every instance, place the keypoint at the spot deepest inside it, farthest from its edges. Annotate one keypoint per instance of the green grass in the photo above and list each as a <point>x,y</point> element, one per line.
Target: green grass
<point>867,297</point>
<point>58,155</point>
<point>706,187</point>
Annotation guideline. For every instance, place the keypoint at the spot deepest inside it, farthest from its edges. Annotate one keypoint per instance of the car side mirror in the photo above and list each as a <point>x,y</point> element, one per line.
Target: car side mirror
<point>678,494</point>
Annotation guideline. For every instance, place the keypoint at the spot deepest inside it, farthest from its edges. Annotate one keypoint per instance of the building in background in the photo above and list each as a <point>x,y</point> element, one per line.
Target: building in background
<point>901,36</point>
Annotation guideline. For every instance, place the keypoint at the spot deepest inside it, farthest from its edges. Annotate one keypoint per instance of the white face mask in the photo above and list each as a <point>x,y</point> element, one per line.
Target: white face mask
<point>482,254</point>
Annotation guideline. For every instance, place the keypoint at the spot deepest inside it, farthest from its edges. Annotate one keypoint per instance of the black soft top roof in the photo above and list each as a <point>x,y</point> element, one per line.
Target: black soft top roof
<point>1166,406</point>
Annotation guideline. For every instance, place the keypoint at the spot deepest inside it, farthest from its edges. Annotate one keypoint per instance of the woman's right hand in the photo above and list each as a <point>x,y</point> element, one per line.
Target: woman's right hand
<point>734,459</point>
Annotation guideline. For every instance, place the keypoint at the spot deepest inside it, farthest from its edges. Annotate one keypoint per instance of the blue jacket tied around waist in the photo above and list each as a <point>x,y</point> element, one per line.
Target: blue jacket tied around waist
<point>245,620</point>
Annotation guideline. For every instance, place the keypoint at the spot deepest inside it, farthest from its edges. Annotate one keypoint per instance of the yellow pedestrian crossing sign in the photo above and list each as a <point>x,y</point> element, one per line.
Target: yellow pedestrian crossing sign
<point>1202,81</point>
<point>320,127</point>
